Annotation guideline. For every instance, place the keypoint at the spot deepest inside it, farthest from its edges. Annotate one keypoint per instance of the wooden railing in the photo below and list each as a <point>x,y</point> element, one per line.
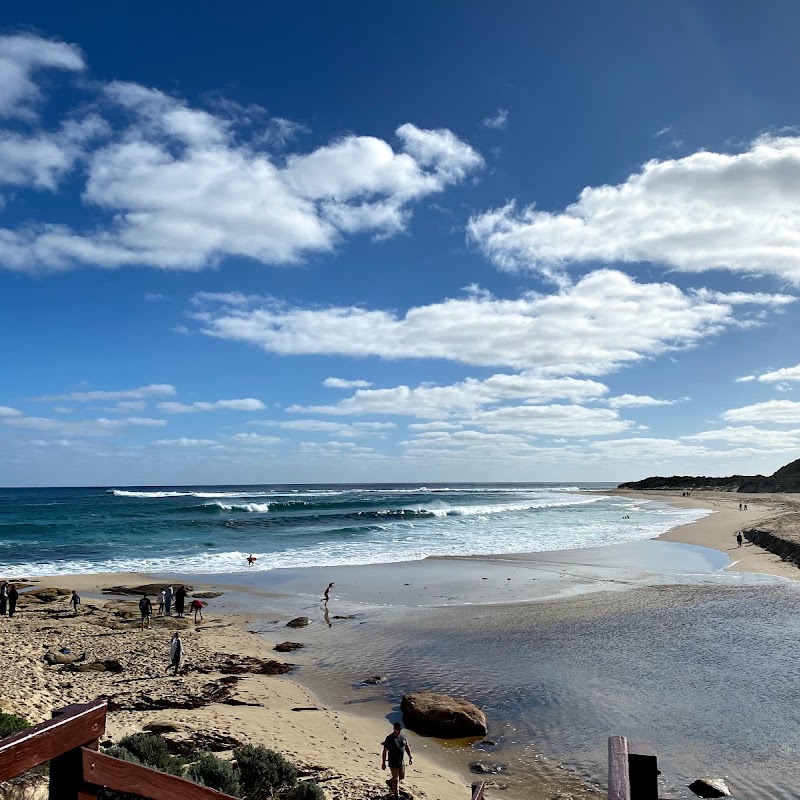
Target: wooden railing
<point>478,789</point>
<point>69,742</point>
<point>632,770</point>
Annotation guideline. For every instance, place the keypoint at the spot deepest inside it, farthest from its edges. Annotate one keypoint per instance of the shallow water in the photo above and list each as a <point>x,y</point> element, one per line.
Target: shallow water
<point>697,661</point>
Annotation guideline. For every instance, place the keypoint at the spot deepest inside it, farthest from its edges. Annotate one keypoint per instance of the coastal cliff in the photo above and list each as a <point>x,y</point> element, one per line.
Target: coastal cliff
<point>786,479</point>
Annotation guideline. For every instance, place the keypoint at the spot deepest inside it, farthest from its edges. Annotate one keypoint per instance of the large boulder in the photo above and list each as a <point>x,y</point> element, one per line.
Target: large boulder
<point>710,787</point>
<point>298,622</point>
<point>439,715</point>
<point>53,658</point>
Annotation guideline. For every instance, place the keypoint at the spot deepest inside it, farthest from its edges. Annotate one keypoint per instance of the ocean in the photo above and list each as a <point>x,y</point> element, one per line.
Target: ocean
<point>212,529</point>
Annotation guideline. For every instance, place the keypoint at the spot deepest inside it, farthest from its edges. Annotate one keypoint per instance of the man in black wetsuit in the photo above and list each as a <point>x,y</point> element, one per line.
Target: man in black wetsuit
<point>396,746</point>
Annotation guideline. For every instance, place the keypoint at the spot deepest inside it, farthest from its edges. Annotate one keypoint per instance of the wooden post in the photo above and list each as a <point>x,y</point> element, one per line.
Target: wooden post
<point>478,789</point>
<point>643,771</point>
<point>619,782</point>
<point>66,770</point>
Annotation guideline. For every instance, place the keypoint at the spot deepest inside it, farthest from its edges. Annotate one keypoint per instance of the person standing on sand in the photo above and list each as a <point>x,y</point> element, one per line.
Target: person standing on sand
<point>739,538</point>
<point>180,600</point>
<point>168,600</point>
<point>396,746</point>
<point>197,607</point>
<point>13,596</point>
<point>3,598</point>
<point>146,608</point>
<point>75,601</point>
<point>161,603</point>
<point>328,593</point>
<point>175,651</point>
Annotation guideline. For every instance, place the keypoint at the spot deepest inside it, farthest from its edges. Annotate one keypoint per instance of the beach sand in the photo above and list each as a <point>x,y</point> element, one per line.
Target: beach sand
<point>341,748</point>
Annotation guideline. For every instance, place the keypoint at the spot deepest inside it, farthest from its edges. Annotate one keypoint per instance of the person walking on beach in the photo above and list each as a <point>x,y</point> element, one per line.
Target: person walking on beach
<point>75,601</point>
<point>13,596</point>
<point>328,593</point>
<point>3,598</point>
<point>175,651</point>
<point>180,600</point>
<point>197,607</point>
<point>168,600</point>
<point>161,596</point>
<point>739,538</point>
<point>740,506</point>
<point>395,745</point>
<point>146,609</point>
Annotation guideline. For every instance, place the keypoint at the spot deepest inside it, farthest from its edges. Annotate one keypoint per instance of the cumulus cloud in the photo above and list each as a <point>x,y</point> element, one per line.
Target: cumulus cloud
<point>339,429</point>
<point>140,393</point>
<point>433,402</point>
<point>184,442</point>
<point>242,404</point>
<point>255,439</point>
<point>604,321</point>
<point>640,401</point>
<point>343,383</point>
<point>777,411</point>
<point>7,411</point>
<point>181,187</point>
<point>774,376</point>
<point>21,57</point>
<point>498,120</point>
<point>735,211</point>
<point>85,427</point>
<point>752,436</point>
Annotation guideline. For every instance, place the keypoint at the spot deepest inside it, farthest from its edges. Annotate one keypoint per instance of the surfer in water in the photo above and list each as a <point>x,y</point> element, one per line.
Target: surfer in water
<point>251,559</point>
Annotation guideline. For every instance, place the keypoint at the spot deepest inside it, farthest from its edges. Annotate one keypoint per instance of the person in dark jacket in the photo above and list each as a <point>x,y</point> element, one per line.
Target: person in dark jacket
<point>3,598</point>
<point>180,600</point>
<point>13,596</point>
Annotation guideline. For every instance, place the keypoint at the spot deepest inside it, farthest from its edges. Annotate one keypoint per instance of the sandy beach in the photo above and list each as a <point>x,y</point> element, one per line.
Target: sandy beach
<point>338,747</point>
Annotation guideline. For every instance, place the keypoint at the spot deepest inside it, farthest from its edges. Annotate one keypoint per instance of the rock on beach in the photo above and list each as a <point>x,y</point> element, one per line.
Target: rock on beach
<point>443,716</point>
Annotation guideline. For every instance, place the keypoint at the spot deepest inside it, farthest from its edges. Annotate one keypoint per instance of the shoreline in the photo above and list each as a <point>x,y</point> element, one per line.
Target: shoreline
<point>346,742</point>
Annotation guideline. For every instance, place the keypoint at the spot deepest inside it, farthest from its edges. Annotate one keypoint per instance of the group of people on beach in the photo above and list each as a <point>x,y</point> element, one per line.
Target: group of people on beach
<point>8,599</point>
<point>165,603</point>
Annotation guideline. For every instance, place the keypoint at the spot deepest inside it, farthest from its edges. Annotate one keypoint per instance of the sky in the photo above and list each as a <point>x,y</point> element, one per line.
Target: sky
<point>379,242</point>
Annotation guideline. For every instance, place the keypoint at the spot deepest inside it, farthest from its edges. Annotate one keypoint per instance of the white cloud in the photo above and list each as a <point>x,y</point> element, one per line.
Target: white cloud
<point>777,411</point>
<point>706,211</point>
<point>552,420</point>
<point>127,406</point>
<point>604,321</point>
<point>184,442</point>
<point>640,401</point>
<point>85,427</point>
<point>438,425</point>
<point>343,383</point>
<point>440,401</point>
<point>774,376</point>
<point>498,121</point>
<point>242,404</point>
<point>339,429</point>
<point>255,439</point>
<point>142,392</point>
<point>7,411</point>
<point>750,435</point>
<point>20,57</point>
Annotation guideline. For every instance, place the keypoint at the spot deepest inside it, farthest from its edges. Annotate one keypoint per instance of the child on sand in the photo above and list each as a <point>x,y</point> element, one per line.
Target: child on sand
<point>328,593</point>
<point>197,607</point>
<point>13,596</point>
<point>146,609</point>
<point>75,601</point>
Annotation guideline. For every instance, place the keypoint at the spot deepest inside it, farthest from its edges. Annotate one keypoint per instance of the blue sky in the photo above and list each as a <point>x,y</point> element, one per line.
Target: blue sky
<point>422,242</point>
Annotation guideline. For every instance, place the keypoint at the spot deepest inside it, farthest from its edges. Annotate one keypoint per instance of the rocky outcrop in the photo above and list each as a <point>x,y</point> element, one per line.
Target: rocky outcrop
<point>146,588</point>
<point>443,716</point>
<point>710,787</point>
<point>298,622</point>
<point>56,658</point>
<point>787,548</point>
<point>108,665</point>
<point>786,479</point>
<point>287,647</point>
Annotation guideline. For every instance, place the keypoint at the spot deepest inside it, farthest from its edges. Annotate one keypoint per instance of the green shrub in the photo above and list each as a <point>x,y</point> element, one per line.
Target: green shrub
<point>11,723</point>
<point>152,751</point>
<point>307,790</point>
<point>217,774</point>
<point>264,773</point>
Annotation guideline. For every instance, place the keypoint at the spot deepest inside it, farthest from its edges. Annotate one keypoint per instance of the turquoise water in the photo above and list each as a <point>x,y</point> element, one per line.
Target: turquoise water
<point>211,529</point>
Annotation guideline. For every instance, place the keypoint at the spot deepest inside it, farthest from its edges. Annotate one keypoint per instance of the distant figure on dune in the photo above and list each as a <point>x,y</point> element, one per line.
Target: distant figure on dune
<point>3,599</point>
<point>197,607</point>
<point>180,600</point>
<point>146,609</point>
<point>328,593</point>
<point>251,559</point>
<point>739,538</point>
<point>740,506</point>
<point>75,601</point>
<point>168,601</point>
<point>161,601</point>
<point>13,596</point>
<point>175,651</point>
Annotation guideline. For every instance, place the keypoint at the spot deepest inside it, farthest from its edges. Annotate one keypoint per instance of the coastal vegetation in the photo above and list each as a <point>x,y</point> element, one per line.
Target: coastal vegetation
<point>786,479</point>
